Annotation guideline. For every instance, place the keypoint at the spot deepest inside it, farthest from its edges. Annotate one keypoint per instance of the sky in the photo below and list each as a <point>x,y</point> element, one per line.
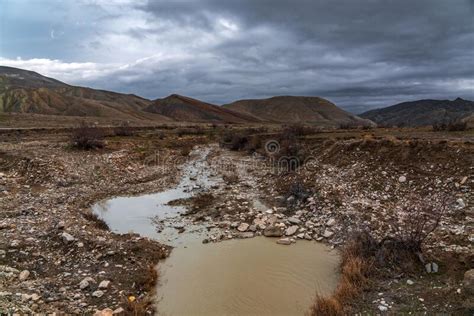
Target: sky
<point>360,54</point>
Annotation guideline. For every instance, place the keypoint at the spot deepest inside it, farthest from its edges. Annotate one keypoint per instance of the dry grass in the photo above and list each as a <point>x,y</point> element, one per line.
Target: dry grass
<point>355,267</point>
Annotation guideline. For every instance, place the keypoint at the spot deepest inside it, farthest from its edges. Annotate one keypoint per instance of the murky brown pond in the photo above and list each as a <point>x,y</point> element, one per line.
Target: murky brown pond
<point>252,276</point>
<point>245,277</point>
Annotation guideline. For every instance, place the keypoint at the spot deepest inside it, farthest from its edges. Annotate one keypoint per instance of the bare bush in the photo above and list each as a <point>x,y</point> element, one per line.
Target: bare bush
<point>234,140</point>
<point>453,126</point>
<point>87,137</point>
<point>124,129</point>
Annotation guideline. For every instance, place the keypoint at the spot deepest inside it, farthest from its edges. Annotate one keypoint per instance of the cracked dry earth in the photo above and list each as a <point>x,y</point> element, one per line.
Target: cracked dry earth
<point>47,191</point>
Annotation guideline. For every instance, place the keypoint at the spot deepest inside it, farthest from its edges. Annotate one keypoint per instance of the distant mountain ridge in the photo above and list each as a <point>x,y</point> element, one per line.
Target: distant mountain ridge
<point>296,109</point>
<point>422,112</point>
<point>183,108</point>
<point>23,91</point>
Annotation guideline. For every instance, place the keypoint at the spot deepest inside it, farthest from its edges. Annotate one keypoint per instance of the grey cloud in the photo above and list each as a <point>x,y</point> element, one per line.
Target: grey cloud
<point>359,54</point>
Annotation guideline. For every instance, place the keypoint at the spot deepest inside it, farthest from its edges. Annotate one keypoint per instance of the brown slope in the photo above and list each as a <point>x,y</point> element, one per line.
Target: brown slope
<point>296,109</point>
<point>422,112</point>
<point>181,108</point>
<point>23,91</point>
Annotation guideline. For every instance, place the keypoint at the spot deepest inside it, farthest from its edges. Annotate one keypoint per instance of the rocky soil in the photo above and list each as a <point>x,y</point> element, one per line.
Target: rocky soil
<point>57,257</point>
<point>54,254</point>
<point>354,185</point>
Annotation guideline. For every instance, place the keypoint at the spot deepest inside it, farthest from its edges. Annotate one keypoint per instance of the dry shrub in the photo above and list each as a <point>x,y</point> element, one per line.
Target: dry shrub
<point>234,140</point>
<point>124,129</point>
<point>453,126</point>
<point>87,137</point>
<point>299,130</point>
<point>326,306</point>
<point>356,262</point>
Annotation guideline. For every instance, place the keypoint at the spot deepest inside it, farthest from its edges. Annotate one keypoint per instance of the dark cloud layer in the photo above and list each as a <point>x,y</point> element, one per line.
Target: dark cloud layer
<point>359,54</point>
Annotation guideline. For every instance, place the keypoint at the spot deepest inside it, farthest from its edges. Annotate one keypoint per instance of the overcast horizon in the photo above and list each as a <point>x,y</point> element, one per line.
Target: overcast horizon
<point>360,55</point>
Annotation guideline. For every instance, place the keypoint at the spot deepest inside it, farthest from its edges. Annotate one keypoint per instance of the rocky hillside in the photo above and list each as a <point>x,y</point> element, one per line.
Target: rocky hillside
<point>23,91</point>
<point>422,112</point>
<point>181,108</point>
<point>293,109</point>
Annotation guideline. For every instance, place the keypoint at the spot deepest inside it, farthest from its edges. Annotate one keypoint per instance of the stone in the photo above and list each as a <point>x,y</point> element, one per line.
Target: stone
<point>290,199</point>
<point>284,241</point>
<point>410,282</point>
<point>463,180</point>
<point>269,211</point>
<point>331,222</point>
<point>382,308</point>
<point>104,284</point>
<point>402,179</point>
<point>291,230</point>
<point>98,293</point>
<point>294,220</point>
<point>460,203</point>
<point>273,231</point>
<point>86,282</point>
<point>431,267</point>
<point>247,235</point>
<point>468,282</point>
<point>300,236</point>
<point>67,238</point>
<point>328,233</point>
<point>104,312</point>
<point>119,311</point>
<point>24,275</point>
<point>243,227</point>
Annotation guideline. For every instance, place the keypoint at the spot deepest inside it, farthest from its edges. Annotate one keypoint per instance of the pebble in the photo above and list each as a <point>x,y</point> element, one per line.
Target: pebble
<point>98,293</point>
<point>67,238</point>
<point>104,284</point>
<point>284,241</point>
<point>291,230</point>
<point>328,233</point>
<point>410,282</point>
<point>243,227</point>
<point>24,275</point>
<point>402,179</point>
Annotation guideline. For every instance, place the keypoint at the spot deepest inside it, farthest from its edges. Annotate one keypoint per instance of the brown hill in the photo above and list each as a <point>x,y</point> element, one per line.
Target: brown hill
<point>422,112</point>
<point>23,91</point>
<point>183,108</point>
<point>295,109</point>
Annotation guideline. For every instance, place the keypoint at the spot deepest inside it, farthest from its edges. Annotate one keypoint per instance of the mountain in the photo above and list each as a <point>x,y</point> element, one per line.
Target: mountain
<point>181,108</point>
<point>23,91</point>
<point>422,112</point>
<point>296,109</point>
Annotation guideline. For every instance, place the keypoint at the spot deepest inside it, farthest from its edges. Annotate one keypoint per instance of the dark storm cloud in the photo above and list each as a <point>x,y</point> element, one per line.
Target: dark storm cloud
<point>354,52</point>
<point>359,54</point>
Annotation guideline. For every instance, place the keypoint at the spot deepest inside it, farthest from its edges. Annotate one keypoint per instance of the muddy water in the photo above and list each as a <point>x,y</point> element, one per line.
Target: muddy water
<point>252,276</point>
<point>245,277</point>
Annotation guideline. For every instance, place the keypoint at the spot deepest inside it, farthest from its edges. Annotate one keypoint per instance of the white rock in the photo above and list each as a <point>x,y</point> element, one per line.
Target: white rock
<point>83,284</point>
<point>383,308</point>
<point>402,179</point>
<point>331,222</point>
<point>243,227</point>
<point>98,293</point>
<point>67,238</point>
<point>291,230</point>
<point>410,282</point>
<point>24,275</point>
<point>104,284</point>
<point>284,241</point>
<point>328,233</point>
<point>460,203</point>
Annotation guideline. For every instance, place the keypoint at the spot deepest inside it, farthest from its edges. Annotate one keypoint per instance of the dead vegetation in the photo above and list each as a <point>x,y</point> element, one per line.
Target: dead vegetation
<point>87,137</point>
<point>400,250</point>
<point>453,126</point>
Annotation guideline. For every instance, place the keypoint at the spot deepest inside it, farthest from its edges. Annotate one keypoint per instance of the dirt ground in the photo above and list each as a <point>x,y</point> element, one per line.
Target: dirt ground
<point>353,179</point>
